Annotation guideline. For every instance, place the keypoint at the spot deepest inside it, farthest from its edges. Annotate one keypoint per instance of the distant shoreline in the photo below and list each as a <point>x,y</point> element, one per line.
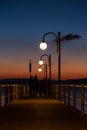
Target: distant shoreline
<point>26,81</point>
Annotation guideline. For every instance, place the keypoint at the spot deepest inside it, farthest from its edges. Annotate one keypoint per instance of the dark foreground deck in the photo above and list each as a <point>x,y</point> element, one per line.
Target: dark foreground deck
<point>40,114</point>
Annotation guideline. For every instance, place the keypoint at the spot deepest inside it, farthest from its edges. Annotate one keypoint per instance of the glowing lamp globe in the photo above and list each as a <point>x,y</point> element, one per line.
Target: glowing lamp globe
<point>40,62</point>
<point>39,69</point>
<point>43,45</point>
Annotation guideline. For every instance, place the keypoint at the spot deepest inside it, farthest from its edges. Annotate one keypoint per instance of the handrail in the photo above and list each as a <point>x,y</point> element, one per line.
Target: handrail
<point>71,94</point>
<point>10,93</point>
<point>74,96</point>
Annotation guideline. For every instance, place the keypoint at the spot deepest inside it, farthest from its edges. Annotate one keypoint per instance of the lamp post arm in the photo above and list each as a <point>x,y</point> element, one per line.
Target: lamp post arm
<point>44,55</point>
<point>47,34</point>
<point>57,39</point>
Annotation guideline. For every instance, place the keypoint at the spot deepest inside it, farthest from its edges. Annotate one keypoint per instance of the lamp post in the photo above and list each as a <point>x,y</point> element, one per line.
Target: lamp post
<point>49,63</point>
<point>45,69</point>
<point>30,67</point>
<point>43,46</point>
<point>39,69</point>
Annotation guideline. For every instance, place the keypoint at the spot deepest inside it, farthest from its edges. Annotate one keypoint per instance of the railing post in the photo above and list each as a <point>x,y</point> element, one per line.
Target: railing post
<point>56,91</point>
<point>6,95</point>
<point>74,97</point>
<point>21,92</point>
<point>69,95</point>
<point>11,93</point>
<point>61,92</point>
<point>10,96</point>
<point>82,100</point>
<point>24,90</point>
<point>64,94</point>
<point>16,92</point>
<point>0,96</point>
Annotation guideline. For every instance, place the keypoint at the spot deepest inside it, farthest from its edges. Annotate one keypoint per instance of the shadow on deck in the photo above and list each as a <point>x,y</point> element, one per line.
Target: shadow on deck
<point>40,114</point>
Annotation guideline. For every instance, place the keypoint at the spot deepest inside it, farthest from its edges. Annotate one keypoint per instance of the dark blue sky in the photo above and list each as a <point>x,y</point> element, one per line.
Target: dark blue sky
<point>22,25</point>
<point>29,16</point>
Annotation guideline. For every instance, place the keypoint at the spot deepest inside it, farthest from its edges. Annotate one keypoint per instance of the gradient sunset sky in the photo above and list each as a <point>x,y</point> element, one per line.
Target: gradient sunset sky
<point>22,26</point>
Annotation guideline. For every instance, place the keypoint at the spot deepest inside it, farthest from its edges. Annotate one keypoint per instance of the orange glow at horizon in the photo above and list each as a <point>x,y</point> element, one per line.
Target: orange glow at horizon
<point>71,68</point>
<point>67,72</point>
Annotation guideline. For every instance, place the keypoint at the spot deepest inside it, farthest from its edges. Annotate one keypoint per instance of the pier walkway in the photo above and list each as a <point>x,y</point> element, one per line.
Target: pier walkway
<point>40,114</point>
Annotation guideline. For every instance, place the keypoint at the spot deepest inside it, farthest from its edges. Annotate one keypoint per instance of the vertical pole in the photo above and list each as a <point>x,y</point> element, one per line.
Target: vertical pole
<point>69,95</point>
<point>30,67</point>
<point>59,65</point>
<point>15,92</point>
<point>74,97</point>
<point>64,88</point>
<point>6,95</point>
<point>82,100</point>
<point>46,70</point>
<point>50,67</point>
<point>0,95</point>
<point>50,72</point>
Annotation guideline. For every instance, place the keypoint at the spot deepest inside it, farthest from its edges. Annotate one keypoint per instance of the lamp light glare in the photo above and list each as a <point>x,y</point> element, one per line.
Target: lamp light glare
<point>43,45</point>
<point>39,69</point>
<point>40,62</point>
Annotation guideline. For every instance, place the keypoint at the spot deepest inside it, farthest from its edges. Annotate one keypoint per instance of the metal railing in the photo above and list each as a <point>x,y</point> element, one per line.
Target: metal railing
<point>72,95</point>
<point>10,93</point>
<point>75,96</point>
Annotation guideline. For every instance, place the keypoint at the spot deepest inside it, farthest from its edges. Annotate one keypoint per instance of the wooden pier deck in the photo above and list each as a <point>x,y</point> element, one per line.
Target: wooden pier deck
<point>40,114</point>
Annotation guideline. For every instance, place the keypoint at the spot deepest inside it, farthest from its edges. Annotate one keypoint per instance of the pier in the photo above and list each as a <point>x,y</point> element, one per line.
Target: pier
<point>22,112</point>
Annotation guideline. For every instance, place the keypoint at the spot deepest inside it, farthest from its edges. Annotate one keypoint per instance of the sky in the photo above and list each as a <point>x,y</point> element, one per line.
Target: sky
<point>22,26</point>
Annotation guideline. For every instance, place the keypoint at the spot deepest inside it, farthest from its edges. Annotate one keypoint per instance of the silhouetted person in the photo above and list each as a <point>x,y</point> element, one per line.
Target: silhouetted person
<point>30,85</point>
<point>49,87</point>
<point>41,87</point>
<point>35,86</point>
<point>45,86</point>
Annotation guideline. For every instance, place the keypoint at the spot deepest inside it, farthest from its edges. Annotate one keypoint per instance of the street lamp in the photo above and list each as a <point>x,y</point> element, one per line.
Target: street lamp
<point>45,69</point>
<point>43,46</point>
<point>41,62</point>
<point>39,69</point>
<point>49,63</point>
